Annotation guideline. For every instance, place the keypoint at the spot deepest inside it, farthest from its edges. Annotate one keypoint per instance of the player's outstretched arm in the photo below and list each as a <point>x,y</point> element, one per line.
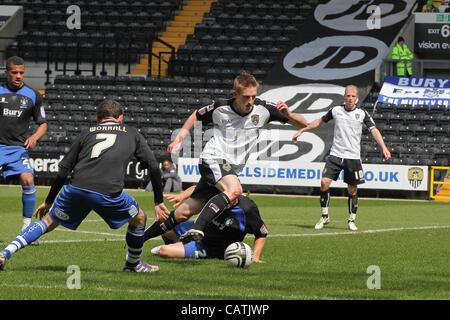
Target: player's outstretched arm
<point>177,199</point>
<point>43,208</point>
<point>258,247</point>
<point>311,126</point>
<point>379,139</point>
<point>296,119</point>
<point>175,145</point>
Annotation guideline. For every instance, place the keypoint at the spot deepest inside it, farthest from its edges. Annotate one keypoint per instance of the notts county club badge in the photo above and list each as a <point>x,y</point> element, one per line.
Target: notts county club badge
<point>415,177</point>
<point>255,119</point>
<point>226,167</point>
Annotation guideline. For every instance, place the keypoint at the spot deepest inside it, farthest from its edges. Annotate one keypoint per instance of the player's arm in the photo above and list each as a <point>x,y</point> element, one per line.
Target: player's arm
<point>177,199</point>
<point>376,134</point>
<point>379,139</point>
<point>295,119</point>
<point>258,247</point>
<point>310,127</point>
<point>65,168</point>
<point>203,114</point>
<point>254,225</point>
<point>187,127</point>
<point>147,158</point>
<point>39,117</point>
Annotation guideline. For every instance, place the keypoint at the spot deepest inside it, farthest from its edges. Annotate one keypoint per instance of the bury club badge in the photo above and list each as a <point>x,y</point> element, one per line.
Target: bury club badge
<point>23,103</point>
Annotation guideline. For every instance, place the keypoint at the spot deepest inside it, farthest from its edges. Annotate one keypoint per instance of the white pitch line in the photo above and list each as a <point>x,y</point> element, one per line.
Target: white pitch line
<point>293,235</point>
<point>357,232</point>
<point>168,292</point>
<point>79,241</point>
<point>92,232</point>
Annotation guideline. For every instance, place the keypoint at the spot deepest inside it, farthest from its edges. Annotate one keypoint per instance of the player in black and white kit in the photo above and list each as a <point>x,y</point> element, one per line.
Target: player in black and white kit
<point>231,226</point>
<point>237,123</point>
<point>345,153</point>
<point>96,162</point>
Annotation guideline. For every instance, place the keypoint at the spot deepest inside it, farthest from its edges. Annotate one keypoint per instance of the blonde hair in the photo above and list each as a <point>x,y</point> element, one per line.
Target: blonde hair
<point>351,86</point>
<point>244,80</point>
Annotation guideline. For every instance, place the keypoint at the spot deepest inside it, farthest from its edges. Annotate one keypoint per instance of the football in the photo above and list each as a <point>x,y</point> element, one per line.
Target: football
<point>238,254</point>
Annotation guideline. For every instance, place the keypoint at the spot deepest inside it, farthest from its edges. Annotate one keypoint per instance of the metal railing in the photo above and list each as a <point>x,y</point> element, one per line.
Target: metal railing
<point>160,58</point>
<point>440,180</point>
<point>419,67</point>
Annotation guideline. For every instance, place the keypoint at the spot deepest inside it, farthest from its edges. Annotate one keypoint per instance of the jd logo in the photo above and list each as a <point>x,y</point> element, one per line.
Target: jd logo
<point>313,101</point>
<point>357,15</point>
<point>336,57</point>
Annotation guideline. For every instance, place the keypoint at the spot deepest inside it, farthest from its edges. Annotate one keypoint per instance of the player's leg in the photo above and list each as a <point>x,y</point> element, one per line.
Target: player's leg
<point>324,203</point>
<point>190,250</point>
<point>28,197</point>
<point>118,211</point>
<point>135,243</point>
<point>221,176</point>
<point>173,236</point>
<point>353,176</point>
<point>31,233</point>
<point>231,190</point>
<point>331,171</point>
<point>182,213</point>
<point>352,206</point>
<point>202,193</point>
<point>16,164</point>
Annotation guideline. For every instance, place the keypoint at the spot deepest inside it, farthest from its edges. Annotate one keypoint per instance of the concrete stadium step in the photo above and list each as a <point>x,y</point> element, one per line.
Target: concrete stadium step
<point>176,33</point>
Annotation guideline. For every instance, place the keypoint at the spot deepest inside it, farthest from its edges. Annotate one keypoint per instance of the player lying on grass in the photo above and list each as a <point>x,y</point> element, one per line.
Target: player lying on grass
<point>231,226</point>
<point>97,162</point>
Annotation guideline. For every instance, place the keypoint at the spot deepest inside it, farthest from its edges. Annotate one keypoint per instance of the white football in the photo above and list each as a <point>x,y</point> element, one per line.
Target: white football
<point>238,254</point>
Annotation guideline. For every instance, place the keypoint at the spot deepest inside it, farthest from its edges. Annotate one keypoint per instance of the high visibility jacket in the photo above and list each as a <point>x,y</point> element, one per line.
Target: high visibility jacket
<point>402,54</point>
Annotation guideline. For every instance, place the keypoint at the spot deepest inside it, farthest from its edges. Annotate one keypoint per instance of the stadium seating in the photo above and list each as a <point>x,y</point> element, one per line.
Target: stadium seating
<point>234,31</point>
<point>121,26</point>
<point>416,135</point>
<point>156,106</point>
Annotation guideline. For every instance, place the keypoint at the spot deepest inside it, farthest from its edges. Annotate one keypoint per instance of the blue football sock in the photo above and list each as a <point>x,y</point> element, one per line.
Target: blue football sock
<point>33,232</point>
<point>28,200</point>
<point>135,242</point>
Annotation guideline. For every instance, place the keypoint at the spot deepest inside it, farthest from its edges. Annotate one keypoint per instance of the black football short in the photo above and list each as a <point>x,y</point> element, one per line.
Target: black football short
<point>353,171</point>
<point>211,171</point>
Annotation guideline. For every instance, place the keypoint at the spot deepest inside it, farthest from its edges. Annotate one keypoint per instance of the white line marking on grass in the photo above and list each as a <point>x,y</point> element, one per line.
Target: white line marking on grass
<point>357,232</point>
<point>168,292</point>
<point>92,232</point>
<point>293,235</point>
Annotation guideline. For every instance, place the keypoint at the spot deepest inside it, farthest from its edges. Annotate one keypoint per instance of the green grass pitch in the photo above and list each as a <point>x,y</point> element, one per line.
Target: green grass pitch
<point>407,240</point>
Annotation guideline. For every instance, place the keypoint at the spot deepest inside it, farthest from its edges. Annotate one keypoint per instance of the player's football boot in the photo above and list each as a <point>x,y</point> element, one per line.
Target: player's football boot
<point>192,235</point>
<point>142,267</point>
<point>2,261</point>
<point>352,226</point>
<point>323,221</point>
<point>155,251</point>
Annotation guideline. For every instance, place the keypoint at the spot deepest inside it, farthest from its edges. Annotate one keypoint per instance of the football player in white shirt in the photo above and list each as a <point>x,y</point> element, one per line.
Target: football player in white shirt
<point>237,123</point>
<point>345,153</point>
